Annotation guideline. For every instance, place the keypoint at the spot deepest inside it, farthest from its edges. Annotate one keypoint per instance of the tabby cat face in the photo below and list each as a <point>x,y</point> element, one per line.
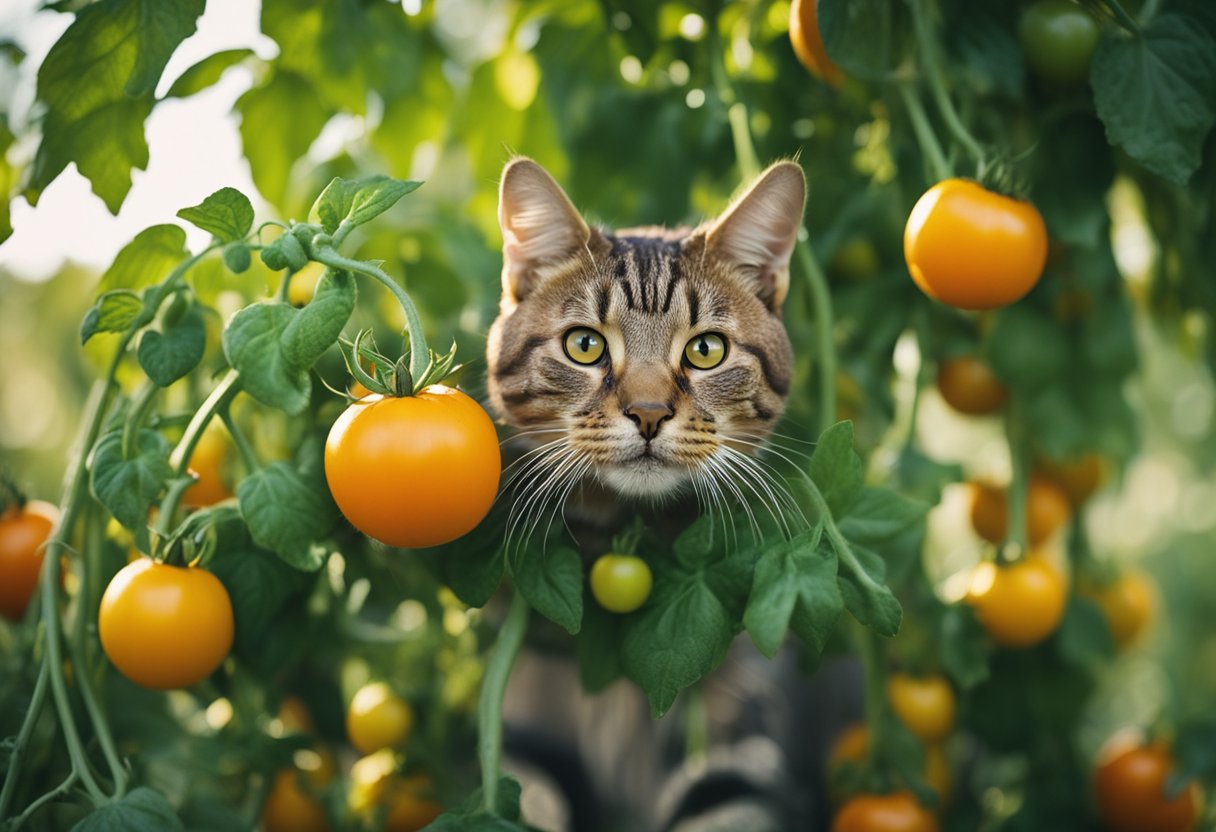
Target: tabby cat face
<point>644,352</point>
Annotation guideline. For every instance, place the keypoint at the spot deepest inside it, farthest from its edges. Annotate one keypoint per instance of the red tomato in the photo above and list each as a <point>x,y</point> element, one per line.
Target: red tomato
<point>1130,784</point>
<point>23,531</point>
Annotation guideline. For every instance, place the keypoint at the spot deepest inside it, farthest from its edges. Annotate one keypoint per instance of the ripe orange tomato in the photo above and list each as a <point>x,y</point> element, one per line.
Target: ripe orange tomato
<point>974,249</point>
<point>924,704</point>
<point>207,463</point>
<point>1019,604</point>
<point>899,812</point>
<point>808,44</point>
<point>1079,477</point>
<point>969,386</point>
<point>23,531</point>
<point>1128,604</point>
<point>414,471</point>
<point>1130,784</point>
<point>165,626</point>
<point>378,718</point>
<point>409,805</point>
<point>290,808</point>
<point>1047,509</point>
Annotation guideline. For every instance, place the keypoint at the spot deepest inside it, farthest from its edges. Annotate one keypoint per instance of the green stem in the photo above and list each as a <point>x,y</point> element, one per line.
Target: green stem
<point>925,136</point>
<point>108,749</point>
<point>420,354</point>
<point>873,652</point>
<point>137,415</point>
<point>248,457</point>
<point>60,790</point>
<point>1126,20</point>
<point>23,737</point>
<point>493,688</point>
<point>922,373</point>
<point>927,46</point>
<point>821,296</point>
<point>228,387</point>
<point>696,718</point>
<point>1016,536</point>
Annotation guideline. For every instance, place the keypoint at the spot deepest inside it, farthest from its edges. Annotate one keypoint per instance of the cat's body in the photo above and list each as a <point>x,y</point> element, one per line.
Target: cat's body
<point>642,369</point>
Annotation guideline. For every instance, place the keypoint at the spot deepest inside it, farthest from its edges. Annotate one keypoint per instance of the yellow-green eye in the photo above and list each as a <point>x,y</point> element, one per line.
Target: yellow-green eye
<point>584,345</point>
<point>705,351</point>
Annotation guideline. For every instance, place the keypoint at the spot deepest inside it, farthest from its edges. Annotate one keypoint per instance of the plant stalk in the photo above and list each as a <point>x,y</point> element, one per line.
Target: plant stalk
<point>493,689</point>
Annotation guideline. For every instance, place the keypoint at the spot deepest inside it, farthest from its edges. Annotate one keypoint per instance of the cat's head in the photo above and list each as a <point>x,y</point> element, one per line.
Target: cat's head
<point>645,351</point>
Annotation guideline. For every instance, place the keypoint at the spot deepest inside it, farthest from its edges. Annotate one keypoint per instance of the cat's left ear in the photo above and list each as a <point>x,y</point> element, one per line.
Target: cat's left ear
<point>758,231</point>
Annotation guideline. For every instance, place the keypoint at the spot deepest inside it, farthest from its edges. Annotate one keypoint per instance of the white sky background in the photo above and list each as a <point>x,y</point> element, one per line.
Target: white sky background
<point>194,146</point>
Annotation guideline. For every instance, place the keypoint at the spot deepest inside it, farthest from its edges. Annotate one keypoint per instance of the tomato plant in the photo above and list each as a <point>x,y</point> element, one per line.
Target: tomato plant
<point>143,610</point>
<point>23,531</point>
<point>1047,510</point>
<point>1058,39</point>
<point>380,448</point>
<point>969,386</point>
<point>974,249</point>
<point>1130,784</point>
<point>620,583</point>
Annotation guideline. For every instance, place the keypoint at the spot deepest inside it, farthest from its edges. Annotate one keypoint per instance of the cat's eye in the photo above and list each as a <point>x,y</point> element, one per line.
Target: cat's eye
<point>705,351</point>
<point>584,345</point>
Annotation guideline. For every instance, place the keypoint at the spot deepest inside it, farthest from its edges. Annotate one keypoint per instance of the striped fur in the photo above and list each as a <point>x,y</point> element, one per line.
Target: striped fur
<point>648,291</point>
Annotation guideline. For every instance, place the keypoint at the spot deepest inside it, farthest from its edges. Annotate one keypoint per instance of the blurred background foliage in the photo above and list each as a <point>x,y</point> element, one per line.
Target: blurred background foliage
<point>622,101</point>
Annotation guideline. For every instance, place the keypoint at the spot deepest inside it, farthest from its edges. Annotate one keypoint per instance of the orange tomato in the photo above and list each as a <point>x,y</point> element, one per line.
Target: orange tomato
<point>974,249</point>
<point>206,463</point>
<point>1019,604</point>
<point>290,808</point>
<point>899,812</point>
<point>808,44</point>
<point>1128,603</point>
<point>1047,509</point>
<point>409,805</point>
<point>23,531</point>
<point>969,386</point>
<point>165,626</point>
<point>924,704</point>
<point>1079,477</point>
<point>853,744</point>
<point>1130,784</point>
<point>414,471</point>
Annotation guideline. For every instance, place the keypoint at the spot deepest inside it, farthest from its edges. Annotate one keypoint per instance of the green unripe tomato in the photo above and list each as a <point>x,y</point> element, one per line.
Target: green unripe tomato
<point>620,583</point>
<point>1058,39</point>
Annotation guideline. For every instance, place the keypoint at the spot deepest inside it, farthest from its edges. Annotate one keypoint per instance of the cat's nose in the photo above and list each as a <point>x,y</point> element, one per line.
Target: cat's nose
<point>648,416</point>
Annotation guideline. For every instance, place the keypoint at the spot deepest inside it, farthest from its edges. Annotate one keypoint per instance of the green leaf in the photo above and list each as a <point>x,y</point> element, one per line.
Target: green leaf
<point>685,628</point>
<point>1195,751</point>
<point>472,566</point>
<point>865,595</point>
<point>982,35</point>
<point>227,214</point>
<point>357,201</point>
<point>598,648</point>
<point>258,582</point>
<point>287,513</point>
<point>253,343</point>
<point>147,259</point>
<point>97,84</point>
<point>1084,637</point>
<point>836,468</point>
<point>8,181</point>
<point>1074,169</point>
<point>864,37</point>
<point>1156,93</point>
<point>279,121</point>
<point>129,485</point>
<point>140,810</point>
<point>169,354</point>
<point>1027,348</point>
<point>963,646</point>
<point>207,72</point>
<point>114,311</point>
<point>880,514</point>
<point>551,578</point>
<point>316,327</point>
<point>794,575</point>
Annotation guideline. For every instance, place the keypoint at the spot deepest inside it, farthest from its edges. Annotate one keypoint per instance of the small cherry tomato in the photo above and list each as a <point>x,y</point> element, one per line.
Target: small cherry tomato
<point>23,534</point>
<point>378,718</point>
<point>414,471</point>
<point>1130,784</point>
<point>924,704</point>
<point>808,44</point>
<point>1058,39</point>
<point>974,249</point>
<point>1047,509</point>
<point>207,463</point>
<point>1019,604</point>
<point>899,812</point>
<point>165,626</point>
<point>969,386</point>
<point>409,804</point>
<point>291,808</point>
<point>1128,604</point>
<point>620,583</point>
<point>1078,477</point>
<point>303,284</point>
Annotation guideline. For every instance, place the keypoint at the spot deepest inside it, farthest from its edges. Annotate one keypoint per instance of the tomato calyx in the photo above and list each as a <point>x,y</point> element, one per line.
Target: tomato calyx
<point>394,378</point>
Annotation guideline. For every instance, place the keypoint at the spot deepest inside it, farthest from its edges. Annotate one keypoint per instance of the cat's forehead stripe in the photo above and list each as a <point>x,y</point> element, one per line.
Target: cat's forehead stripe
<point>647,269</point>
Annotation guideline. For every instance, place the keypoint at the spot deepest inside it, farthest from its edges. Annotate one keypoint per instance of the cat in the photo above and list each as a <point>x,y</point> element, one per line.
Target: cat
<point>644,367</point>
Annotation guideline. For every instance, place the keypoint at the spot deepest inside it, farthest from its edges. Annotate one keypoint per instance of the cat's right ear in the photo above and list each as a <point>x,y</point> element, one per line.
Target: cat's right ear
<point>541,229</point>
